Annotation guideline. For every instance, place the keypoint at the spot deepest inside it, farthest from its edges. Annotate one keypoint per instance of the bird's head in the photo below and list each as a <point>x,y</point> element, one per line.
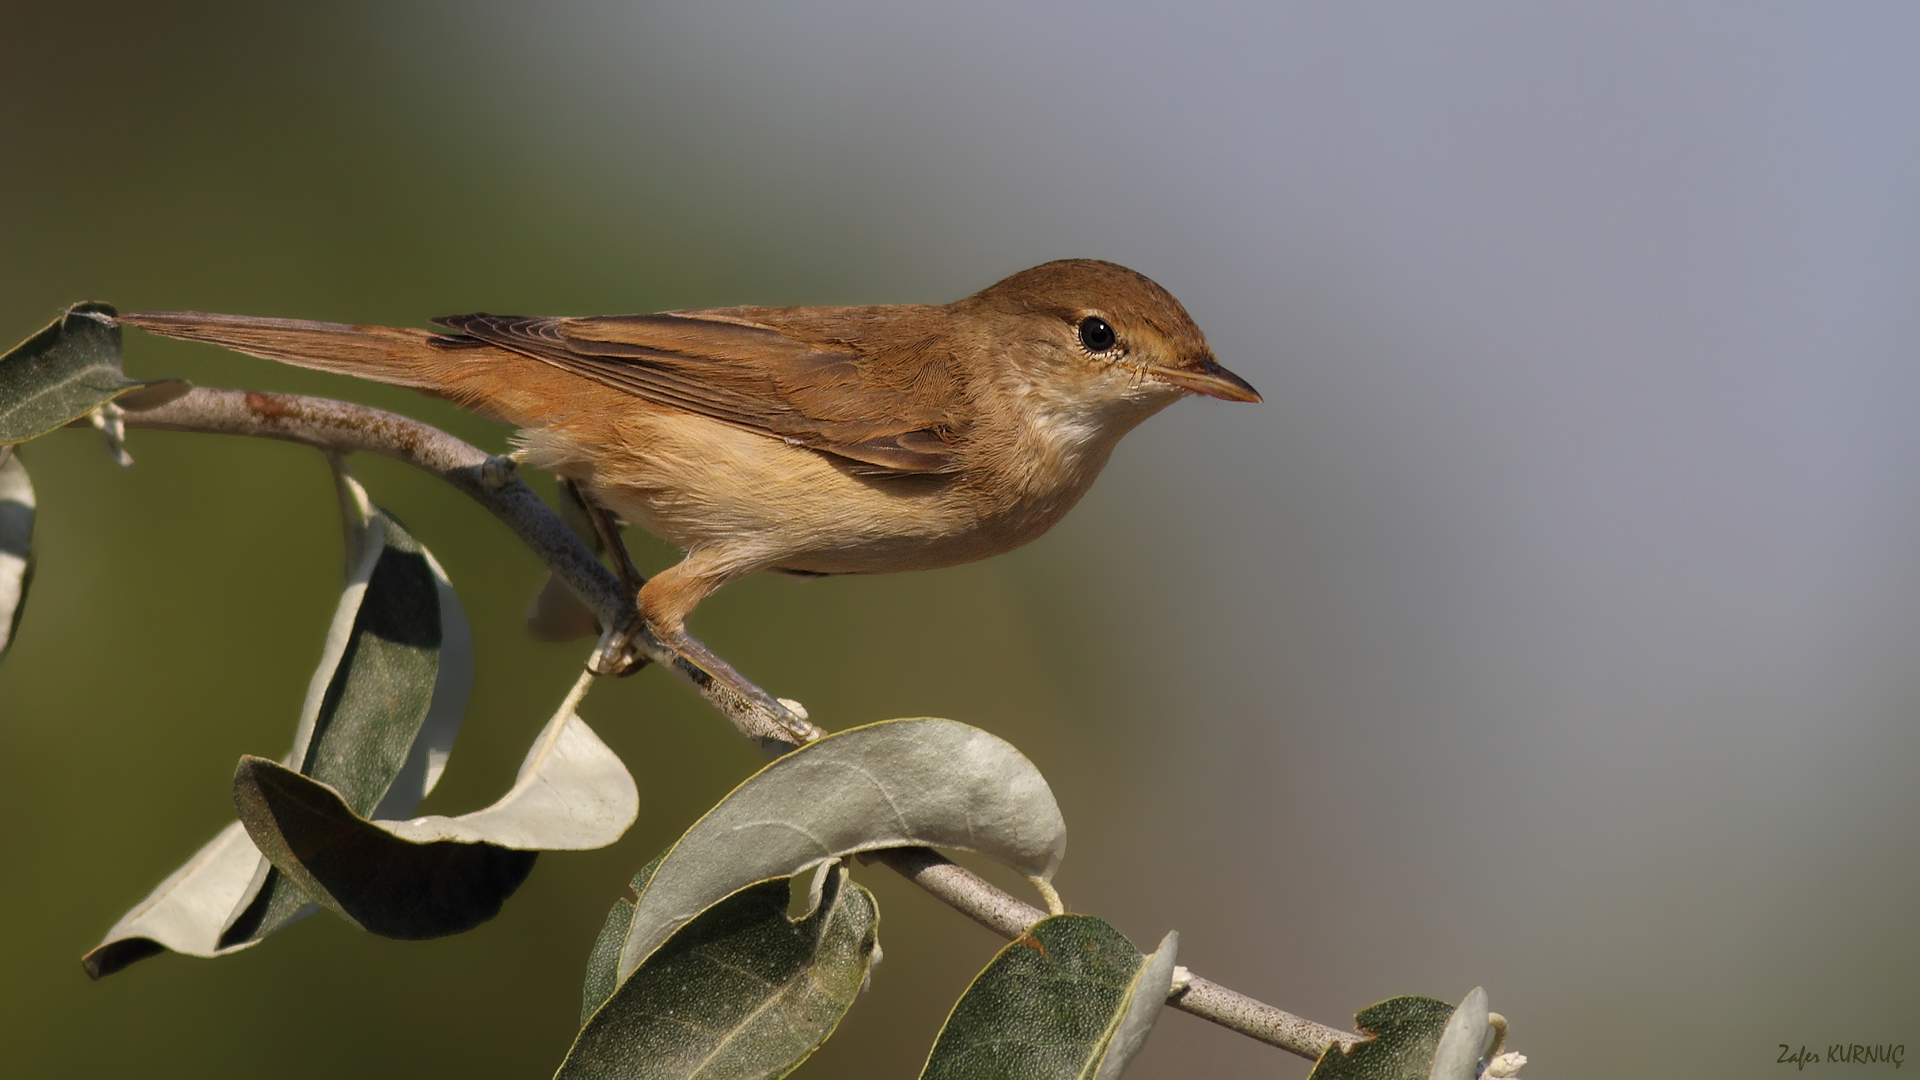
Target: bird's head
<point>1105,335</point>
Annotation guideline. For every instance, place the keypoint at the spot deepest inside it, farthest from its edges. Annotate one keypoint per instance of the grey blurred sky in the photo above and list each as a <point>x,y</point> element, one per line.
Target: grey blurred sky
<point>1553,626</point>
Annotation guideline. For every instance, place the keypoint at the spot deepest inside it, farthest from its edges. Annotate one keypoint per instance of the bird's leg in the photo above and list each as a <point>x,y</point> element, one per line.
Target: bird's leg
<point>557,615</point>
<point>616,653</point>
<point>657,632</point>
<point>665,602</point>
<point>609,530</point>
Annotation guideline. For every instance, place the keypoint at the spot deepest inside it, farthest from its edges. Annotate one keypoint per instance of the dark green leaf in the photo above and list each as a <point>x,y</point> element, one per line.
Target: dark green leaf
<point>16,544</point>
<point>740,992</point>
<point>363,873</point>
<point>379,720</point>
<point>1404,1032</point>
<point>893,784</point>
<point>1054,1005</point>
<point>603,963</point>
<point>61,373</point>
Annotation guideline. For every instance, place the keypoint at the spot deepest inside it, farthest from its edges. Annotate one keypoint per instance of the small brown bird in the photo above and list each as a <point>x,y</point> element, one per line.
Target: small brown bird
<point>814,440</point>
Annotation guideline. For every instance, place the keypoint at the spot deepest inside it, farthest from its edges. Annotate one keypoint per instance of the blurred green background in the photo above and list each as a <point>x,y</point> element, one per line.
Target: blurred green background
<point>1552,627</point>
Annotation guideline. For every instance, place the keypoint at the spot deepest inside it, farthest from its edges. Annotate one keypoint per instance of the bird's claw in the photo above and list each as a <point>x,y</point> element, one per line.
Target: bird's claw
<point>617,653</point>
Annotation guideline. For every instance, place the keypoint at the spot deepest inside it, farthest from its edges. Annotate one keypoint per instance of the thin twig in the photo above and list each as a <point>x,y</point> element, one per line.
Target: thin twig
<point>338,427</point>
<point>979,900</point>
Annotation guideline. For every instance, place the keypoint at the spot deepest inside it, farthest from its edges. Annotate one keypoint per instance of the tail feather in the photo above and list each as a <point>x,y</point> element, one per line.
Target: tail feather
<point>503,384</point>
<point>403,357</point>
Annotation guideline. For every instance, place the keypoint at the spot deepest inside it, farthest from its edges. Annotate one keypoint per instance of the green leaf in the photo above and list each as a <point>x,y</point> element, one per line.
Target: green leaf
<point>1071,1000</point>
<point>388,696</point>
<point>61,373</point>
<point>893,784</point>
<point>603,963</point>
<point>740,992</point>
<point>379,720</point>
<point>1404,1033</point>
<point>364,874</point>
<point>433,876</point>
<point>16,545</point>
<point>383,709</point>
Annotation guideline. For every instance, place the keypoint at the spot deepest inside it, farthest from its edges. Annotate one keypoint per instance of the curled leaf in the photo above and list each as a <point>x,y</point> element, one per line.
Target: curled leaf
<point>572,794</point>
<point>385,705</point>
<point>1072,998</point>
<point>741,991</point>
<point>189,911</point>
<point>432,876</point>
<point>364,874</point>
<point>892,784</point>
<point>378,722</point>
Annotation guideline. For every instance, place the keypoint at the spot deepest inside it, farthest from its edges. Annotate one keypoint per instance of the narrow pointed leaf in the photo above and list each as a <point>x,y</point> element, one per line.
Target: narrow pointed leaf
<point>16,545</point>
<point>740,992</point>
<point>433,876</point>
<point>61,373</point>
<point>380,719</point>
<point>1403,1034</point>
<point>388,696</point>
<point>1071,999</point>
<point>891,784</point>
<point>380,716</point>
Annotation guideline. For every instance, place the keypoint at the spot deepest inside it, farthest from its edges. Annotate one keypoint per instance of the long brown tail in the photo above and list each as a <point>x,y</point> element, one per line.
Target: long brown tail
<point>501,383</point>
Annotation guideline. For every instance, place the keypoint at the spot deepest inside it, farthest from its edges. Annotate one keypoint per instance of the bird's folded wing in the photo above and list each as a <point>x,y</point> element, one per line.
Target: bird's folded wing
<point>895,403</point>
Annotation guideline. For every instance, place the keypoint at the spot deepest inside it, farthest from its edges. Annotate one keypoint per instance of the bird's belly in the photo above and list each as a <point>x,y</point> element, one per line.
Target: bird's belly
<point>704,484</point>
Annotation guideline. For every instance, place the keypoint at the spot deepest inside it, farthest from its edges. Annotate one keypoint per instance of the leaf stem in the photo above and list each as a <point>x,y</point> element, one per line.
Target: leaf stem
<point>338,427</point>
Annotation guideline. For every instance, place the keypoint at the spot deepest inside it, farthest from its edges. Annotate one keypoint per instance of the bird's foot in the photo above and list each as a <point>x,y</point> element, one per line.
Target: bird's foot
<point>778,723</point>
<point>620,652</point>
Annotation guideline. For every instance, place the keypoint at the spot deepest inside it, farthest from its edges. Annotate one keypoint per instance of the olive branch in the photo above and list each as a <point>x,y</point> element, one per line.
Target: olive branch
<point>706,935</point>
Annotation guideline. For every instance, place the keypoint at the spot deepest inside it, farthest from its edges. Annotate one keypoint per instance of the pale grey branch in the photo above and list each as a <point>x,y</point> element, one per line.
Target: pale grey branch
<point>979,900</point>
<point>339,427</point>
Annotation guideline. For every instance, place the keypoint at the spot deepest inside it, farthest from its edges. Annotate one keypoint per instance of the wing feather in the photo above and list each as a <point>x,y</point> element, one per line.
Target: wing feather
<point>845,383</point>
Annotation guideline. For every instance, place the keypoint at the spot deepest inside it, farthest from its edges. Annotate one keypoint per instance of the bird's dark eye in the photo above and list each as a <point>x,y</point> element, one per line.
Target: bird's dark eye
<point>1095,334</point>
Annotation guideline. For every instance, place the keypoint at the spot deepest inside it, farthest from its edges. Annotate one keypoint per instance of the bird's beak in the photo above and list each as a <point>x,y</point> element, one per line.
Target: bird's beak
<point>1209,378</point>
